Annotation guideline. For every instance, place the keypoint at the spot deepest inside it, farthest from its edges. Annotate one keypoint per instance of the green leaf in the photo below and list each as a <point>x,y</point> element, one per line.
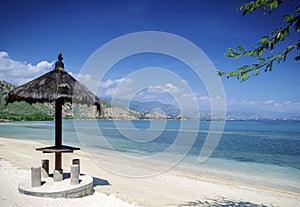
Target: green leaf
<point>297,25</point>
<point>260,52</point>
<point>289,18</point>
<point>231,52</point>
<point>298,9</point>
<point>256,72</point>
<point>241,48</point>
<point>275,5</point>
<point>276,31</point>
<point>267,42</point>
<point>220,73</point>
<point>271,46</point>
<point>270,66</point>
<point>261,59</point>
<point>284,57</point>
<point>245,77</point>
<point>289,48</point>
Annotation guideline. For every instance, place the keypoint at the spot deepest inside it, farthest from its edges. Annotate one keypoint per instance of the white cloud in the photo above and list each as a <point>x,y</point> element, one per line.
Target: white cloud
<point>204,98</point>
<point>110,82</point>
<point>171,87</point>
<point>17,72</point>
<point>87,80</point>
<point>117,88</point>
<point>175,93</point>
<point>269,102</point>
<point>166,88</point>
<point>109,92</point>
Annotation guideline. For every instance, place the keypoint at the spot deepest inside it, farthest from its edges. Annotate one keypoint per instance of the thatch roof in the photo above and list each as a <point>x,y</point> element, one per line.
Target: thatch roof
<point>54,85</point>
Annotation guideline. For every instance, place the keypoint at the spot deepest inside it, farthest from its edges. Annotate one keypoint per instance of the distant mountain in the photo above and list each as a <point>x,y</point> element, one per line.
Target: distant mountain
<point>262,115</point>
<point>259,115</point>
<point>118,110</point>
<point>155,109</point>
<point>148,107</point>
<point>151,110</point>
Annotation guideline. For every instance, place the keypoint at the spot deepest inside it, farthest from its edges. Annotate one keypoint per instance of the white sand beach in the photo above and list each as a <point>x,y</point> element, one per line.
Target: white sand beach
<point>170,188</point>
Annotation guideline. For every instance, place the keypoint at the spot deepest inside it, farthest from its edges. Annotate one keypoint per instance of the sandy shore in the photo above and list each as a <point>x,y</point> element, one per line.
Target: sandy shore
<point>167,189</point>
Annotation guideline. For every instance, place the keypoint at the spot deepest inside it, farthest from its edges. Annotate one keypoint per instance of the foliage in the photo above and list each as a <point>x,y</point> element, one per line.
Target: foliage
<point>105,104</point>
<point>266,43</point>
<point>18,111</point>
<point>137,114</point>
<point>26,117</point>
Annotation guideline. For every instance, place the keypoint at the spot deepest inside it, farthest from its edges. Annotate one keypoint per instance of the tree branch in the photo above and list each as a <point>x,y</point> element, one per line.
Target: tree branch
<point>265,43</point>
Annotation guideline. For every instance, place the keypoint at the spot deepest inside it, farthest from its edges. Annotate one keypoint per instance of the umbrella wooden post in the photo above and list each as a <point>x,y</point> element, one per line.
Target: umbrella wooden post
<point>59,86</point>
<point>58,132</point>
<point>58,160</point>
<point>58,123</point>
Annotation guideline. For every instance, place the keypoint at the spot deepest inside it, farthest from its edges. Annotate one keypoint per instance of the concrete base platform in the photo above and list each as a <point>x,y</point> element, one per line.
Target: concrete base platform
<point>62,189</point>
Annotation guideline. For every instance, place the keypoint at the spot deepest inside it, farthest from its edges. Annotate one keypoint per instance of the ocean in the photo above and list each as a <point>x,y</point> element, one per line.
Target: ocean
<point>262,153</point>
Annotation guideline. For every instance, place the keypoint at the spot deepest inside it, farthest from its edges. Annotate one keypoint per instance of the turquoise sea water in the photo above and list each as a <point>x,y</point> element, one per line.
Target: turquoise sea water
<point>265,153</point>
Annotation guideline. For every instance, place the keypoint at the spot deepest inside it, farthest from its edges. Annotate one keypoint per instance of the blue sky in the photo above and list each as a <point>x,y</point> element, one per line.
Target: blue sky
<point>34,32</point>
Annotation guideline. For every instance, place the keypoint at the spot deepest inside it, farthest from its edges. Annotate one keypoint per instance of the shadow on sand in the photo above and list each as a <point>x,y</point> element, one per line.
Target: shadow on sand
<point>100,182</point>
<point>221,202</point>
<point>96,181</point>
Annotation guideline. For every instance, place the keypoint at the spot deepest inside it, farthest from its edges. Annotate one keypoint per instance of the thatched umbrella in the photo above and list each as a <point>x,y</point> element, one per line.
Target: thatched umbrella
<point>60,87</point>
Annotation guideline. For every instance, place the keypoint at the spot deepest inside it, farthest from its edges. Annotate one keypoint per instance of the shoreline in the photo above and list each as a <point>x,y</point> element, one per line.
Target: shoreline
<point>170,188</point>
<point>191,169</point>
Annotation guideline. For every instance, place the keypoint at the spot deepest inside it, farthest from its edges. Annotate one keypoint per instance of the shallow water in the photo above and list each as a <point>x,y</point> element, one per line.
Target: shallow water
<point>260,153</point>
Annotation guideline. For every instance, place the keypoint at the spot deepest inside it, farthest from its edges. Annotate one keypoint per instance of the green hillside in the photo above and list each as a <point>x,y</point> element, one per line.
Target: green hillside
<point>23,111</point>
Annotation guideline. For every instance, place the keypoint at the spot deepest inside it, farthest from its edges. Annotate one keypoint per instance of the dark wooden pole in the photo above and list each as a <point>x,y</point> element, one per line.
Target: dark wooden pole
<point>58,132</point>
<point>58,161</point>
